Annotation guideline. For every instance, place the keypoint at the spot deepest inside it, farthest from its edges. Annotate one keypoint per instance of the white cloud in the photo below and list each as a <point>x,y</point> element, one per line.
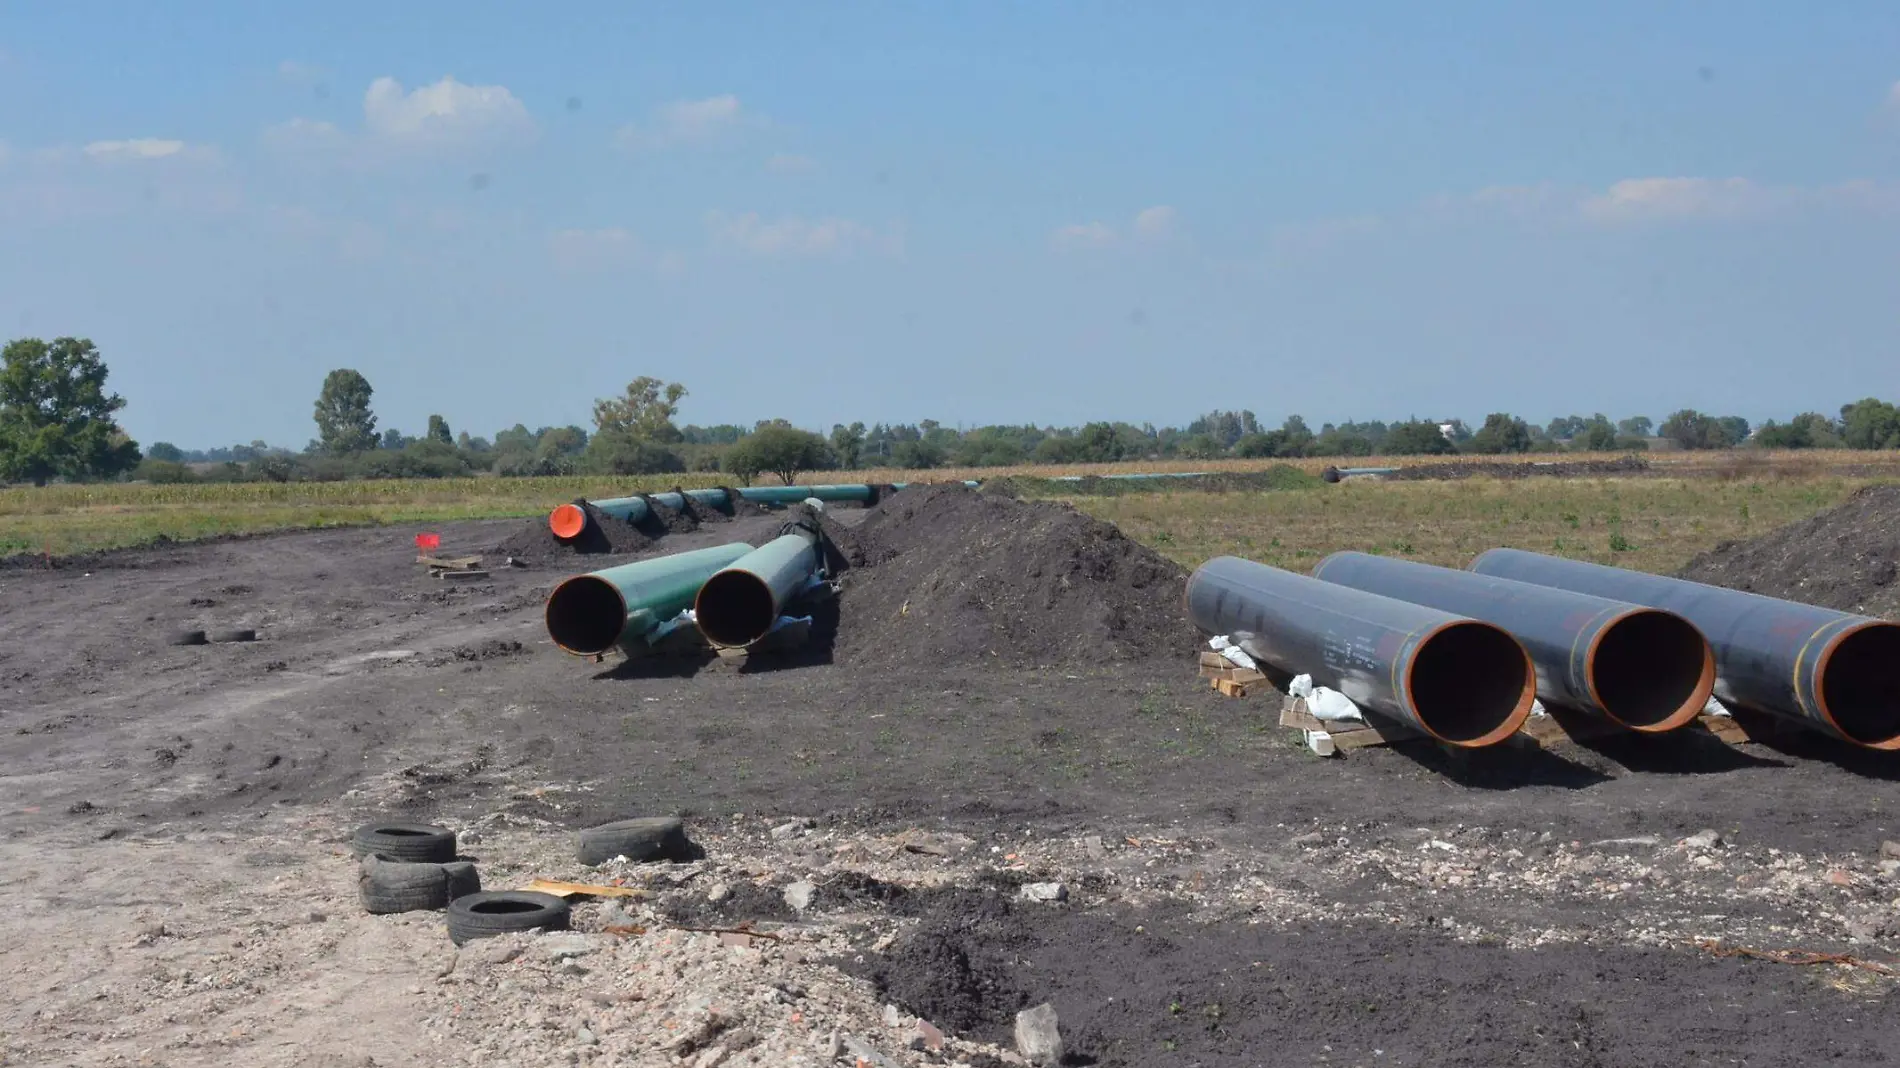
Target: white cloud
<point>1085,235</point>
<point>1638,199</point>
<point>794,235</point>
<point>685,122</point>
<point>695,119</point>
<point>577,249</point>
<point>140,148</point>
<point>1155,223</point>
<point>790,163</point>
<point>303,135</point>
<point>445,113</point>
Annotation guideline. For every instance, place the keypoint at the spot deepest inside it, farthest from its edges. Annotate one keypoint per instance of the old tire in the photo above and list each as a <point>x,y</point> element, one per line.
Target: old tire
<point>418,843</point>
<point>390,886</point>
<point>491,913</point>
<point>639,840</point>
<point>236,634</point>
<point>186,637</point>
<point>387,886</point>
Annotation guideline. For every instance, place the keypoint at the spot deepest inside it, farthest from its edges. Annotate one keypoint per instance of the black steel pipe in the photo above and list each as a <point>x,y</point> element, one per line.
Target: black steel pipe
<point>1833,671</point>
<point>1644,668</point>
<point>1458,680</point>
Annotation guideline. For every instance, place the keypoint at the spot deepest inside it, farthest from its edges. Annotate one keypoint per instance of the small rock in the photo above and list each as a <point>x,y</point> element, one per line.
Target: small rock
<point>799,895</point>
<point>1092,845</point>
<point>718,892</point>
<point>711,1058</point>
<point>585,1037</point>
<point>1890,867</point>
<point>831,1047</point>
<point>1639,841</point>
<point>1890,849</point>
<point>928,1037</point>
<point>788,830</point>
<point>1047,893</point>
<point>566,945</point>
<point>1309,840</point>
<point>1707,838</point>
<point>1038,1038</point>
<point>1840,878</point>
<point>892,1016</point>
<point>865,1054</point>
<point>735,939</point>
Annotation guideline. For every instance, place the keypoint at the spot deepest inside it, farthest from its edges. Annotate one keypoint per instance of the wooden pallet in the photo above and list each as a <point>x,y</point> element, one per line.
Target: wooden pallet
<point>450,563</point>
<point>1228,678</point>
<point>1544,730</point>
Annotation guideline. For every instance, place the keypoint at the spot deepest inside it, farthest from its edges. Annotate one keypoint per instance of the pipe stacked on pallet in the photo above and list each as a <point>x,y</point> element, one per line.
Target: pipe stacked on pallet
<point>737,593</point>
<point>1420,643</point>
<point>1831,671</point>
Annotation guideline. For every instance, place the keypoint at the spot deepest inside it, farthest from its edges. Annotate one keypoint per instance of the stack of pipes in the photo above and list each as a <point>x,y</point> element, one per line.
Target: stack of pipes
<point>1458,654</point>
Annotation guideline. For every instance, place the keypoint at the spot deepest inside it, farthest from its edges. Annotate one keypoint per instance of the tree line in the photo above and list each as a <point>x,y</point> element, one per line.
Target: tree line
<point>58,422</point>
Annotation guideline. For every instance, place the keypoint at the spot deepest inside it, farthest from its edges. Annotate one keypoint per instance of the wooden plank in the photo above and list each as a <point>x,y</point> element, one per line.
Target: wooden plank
<point>1230,688</point>
<point>1214,660</point>
<point>461,574</point>
<point>453,563</point>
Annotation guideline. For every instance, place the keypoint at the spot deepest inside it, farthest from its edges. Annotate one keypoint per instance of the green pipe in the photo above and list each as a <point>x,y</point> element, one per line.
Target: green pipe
<point>739,605</point>
<point>568,521</point>
<point>589,614</point>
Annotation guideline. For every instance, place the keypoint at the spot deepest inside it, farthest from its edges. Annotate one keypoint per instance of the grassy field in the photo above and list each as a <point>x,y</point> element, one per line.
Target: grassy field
<point>1651,522</point>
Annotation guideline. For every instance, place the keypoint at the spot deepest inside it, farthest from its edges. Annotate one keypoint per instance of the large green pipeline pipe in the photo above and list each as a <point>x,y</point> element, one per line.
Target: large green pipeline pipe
<point>590,614</point>
<point>1643,668</point>
<point>739,605</point>
<point>1828,670</point>
<point>569,521</point>
<point>1457,679</point>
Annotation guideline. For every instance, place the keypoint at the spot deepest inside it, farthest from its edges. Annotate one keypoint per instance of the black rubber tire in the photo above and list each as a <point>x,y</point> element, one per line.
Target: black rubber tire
<point>639,840</point>
<point>491,913</point>
<point>418,843</point>
<point>239,634</point>
<point>186,637</point>
<point>389,886</point>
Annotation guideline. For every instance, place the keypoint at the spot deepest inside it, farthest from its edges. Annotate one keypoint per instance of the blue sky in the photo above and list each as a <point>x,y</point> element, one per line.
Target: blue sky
<point>976,213</point>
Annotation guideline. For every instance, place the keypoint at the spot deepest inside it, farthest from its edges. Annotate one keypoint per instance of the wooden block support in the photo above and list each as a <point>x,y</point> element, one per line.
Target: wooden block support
<point>1230,688</point>
<point>451,563</point>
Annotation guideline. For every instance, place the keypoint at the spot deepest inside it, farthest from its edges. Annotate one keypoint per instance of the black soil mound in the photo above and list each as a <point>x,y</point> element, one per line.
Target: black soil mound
<point>951,575</point>
<point>604,534</point>
<point>1842,559</point>
<point>1155,987</point>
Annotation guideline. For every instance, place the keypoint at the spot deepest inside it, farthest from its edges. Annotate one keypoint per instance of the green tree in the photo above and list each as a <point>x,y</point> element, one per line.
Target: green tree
<point>392,439</point>
<point>848,443</point>
<point>1417,438</point>
<point>1870,424</point>
<point>1598,435</point>
<point>781,450</point>
<point>1734,430</point>
<point>1691,429</point>
<point>922,455</point>
<point>618,452</point>
<point>166,451</point>
<point>345,423</point>
<point>439,431</point>
<point>1636,426</point>
<point>1502,432</point>
<point>1809,430</point>
<point>646,411</point>
<point>55,413</point>
<point>1298,436</point>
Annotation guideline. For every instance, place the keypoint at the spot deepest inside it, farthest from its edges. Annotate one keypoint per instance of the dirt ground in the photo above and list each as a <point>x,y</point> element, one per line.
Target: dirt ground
<point>177,820</point>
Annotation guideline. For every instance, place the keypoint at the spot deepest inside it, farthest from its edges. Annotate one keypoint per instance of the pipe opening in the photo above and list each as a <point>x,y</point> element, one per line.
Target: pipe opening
<point>567,522</point>
<point>1860,685</point>
<point>735,609</point>
<point>1471,684</point>
<point>1652,671</point>
<point>586,615</point>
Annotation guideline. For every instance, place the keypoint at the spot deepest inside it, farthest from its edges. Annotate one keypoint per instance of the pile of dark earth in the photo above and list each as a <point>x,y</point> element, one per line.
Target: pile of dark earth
<point>1624,465</point>
<point>947,574</point>
<point>1153,986</point>
<point>1844,558</point>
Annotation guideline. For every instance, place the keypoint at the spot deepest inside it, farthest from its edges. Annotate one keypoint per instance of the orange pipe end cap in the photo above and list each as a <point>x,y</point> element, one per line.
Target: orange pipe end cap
<point>567,521</point>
